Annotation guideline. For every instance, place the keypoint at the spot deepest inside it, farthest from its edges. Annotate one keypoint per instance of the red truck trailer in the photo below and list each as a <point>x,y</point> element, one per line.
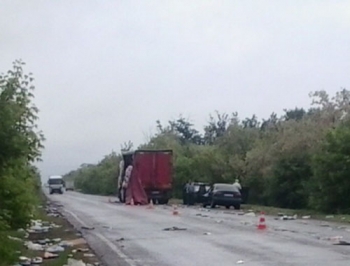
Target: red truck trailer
<point>153,169</point>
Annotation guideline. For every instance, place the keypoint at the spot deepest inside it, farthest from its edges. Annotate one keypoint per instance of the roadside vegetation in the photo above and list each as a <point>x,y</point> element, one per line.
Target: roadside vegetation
<point>299,160</point>
<point>20,146</point>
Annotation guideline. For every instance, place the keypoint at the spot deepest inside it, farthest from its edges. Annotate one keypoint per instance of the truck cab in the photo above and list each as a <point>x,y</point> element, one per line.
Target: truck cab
<point>56,184</point>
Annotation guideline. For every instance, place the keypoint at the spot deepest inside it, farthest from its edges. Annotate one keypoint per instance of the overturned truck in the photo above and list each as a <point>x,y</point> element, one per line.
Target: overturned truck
<point>144,176</point>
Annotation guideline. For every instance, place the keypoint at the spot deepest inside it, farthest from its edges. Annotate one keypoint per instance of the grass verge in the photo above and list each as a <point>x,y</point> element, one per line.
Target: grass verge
<point>64,232</point>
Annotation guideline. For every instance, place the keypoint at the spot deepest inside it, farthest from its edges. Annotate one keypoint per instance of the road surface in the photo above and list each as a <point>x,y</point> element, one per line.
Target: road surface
<point>134,236</point>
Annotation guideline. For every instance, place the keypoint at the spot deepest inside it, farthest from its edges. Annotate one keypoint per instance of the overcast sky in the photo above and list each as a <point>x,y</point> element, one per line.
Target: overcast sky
<point>107,70</point>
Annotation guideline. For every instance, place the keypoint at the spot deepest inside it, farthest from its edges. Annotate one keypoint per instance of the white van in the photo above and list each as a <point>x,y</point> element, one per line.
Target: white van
<point>56,184</point>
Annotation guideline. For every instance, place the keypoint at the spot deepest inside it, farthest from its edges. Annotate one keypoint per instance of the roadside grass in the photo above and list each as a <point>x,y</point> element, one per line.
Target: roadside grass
<point>273,211</point>
<point>65,232</point>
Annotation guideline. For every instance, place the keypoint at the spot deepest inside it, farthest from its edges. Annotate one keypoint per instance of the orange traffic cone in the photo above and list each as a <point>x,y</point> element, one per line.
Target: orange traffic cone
<point>150,205</point>
<point>262,222</point>
<point>175,211</point>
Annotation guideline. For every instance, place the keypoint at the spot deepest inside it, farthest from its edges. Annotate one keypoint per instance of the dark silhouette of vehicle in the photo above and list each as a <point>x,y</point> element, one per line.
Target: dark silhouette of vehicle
<point>200,189</point>
<point>223,195</point>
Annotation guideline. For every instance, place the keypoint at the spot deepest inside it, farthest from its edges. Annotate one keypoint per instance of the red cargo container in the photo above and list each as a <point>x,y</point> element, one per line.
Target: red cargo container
<point>154,170</point>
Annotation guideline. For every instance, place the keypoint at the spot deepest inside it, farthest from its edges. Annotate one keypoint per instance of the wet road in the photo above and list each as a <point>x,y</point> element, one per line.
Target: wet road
<point>134,235</point>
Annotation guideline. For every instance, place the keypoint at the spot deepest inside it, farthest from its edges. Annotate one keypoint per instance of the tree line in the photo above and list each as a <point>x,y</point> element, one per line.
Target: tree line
<point>20,147</point>
<point>300,159</point>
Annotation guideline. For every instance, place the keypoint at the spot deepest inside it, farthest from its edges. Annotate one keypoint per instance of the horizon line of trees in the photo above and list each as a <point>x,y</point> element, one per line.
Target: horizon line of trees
<point>297,160</point>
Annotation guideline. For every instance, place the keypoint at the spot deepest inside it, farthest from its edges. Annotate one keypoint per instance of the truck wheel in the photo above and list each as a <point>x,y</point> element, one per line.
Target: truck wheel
<point>166,201</point>
<point>163,201</point>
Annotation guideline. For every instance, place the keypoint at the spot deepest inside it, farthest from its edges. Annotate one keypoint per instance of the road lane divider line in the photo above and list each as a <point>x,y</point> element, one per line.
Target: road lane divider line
<point>113,247</point>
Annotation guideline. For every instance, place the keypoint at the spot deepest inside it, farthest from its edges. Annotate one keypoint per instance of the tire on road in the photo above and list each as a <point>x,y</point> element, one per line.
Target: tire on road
<point>237,206</point>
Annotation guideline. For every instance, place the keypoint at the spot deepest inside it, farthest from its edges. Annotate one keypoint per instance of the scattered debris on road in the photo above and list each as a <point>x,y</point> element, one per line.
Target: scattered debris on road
<point>87,227</point>
<point>201,215</point>
<point>324,225</point>
<point>174,228</point>
<point>286,218</point>
<point>240,262</point>
<point>342,243</point>
<point>250,214</point>
<point>207,234</point>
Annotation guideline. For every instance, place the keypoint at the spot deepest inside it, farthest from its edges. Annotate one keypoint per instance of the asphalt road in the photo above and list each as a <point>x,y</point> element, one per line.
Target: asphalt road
<point>134,236</point>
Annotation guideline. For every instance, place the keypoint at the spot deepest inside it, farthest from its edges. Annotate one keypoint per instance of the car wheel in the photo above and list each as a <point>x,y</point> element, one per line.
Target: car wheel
<point>212,204</point>
<point>227,206</point>
<point>237,207</point>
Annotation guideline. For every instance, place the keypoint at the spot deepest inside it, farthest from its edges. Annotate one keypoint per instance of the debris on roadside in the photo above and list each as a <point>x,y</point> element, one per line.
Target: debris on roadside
<point>207,233</point>
<point>240,262</point>
<point>306,217</point>
<point>74,242</point>
<point>174,228</point>
<point>33,246</point>
<point>73,262</point>
<point>55,249</point>
<point>45,241</point>
<point>120,239</point>
<point>37,260</point>
<point>88,255</point>
<point>250,214</point>
<point>329,216</point>
<point>287,218</point>
<point>48,255</point>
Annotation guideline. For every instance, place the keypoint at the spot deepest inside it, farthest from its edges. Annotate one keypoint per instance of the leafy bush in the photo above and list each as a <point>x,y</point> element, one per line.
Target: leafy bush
<point>20,146</point>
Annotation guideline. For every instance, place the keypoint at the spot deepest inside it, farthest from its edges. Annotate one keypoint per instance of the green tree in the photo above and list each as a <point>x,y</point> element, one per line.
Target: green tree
<point>20,147</point>
<point>331,172</point>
